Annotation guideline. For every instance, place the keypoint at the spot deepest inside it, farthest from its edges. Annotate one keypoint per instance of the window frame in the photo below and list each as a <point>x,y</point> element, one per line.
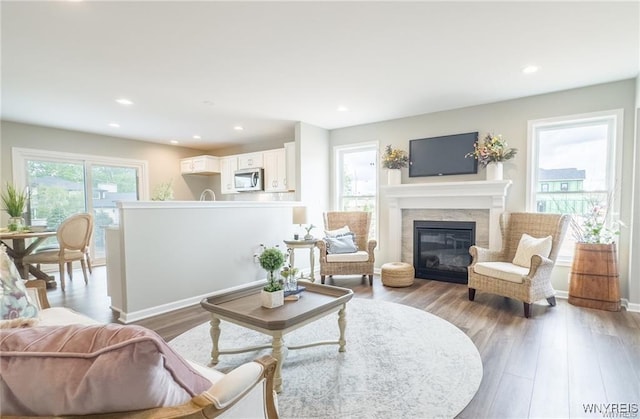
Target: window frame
<point>20,156</point>
<point>614,118</point>
<point>338,152</point>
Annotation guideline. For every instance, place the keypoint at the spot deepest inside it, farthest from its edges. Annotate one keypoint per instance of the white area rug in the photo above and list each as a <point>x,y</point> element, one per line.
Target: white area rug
<point>400,363</point>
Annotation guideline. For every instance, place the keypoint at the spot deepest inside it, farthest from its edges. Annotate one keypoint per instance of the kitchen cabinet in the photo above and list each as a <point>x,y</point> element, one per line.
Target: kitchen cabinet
<point>290,158</point>
<point>275,171</point>
<point>228,166</point>
<point>203,165</point>
<point>250,160</point>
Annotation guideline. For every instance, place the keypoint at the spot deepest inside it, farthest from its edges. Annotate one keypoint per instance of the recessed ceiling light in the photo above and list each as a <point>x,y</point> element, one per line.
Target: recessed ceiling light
<point>174,142</point>
<point>342,109</point>
<point>197,137</point>
<point>114,125</point>
<point>238,128</point>
<point>530,69</point>
<point>124,101</point>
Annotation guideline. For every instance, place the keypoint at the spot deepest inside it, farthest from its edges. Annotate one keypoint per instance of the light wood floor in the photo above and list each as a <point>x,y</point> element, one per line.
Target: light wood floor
<point>548,366</point>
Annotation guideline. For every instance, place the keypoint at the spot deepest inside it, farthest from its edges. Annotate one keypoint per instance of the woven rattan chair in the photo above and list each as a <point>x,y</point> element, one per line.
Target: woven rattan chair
<point>73,235</point>
<point>524,284</point>
<point>360,262</point>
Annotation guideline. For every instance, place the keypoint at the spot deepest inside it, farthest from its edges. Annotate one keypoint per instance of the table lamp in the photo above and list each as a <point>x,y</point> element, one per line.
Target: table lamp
<point>299,217</point>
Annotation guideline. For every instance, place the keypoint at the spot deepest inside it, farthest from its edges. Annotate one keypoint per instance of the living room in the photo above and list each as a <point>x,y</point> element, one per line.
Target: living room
<point>510,116</point>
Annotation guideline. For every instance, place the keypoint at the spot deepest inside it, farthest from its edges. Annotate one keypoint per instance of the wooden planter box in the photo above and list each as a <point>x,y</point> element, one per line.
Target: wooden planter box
<point>594,281</point>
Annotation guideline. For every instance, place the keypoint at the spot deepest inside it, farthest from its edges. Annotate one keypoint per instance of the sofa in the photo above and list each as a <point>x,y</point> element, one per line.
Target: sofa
<point>66,364</point>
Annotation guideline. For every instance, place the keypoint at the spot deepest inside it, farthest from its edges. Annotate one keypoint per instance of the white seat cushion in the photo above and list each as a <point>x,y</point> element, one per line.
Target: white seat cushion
<point>502,270</point>
<point>61,316</point>
<point>359,256</point>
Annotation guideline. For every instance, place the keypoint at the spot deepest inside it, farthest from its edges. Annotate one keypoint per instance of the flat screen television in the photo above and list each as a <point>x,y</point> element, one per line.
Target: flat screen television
<point>442,156</point>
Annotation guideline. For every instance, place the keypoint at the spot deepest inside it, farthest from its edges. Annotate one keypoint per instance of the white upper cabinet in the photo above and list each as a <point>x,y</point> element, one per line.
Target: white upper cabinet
<point>203,165</point>
<point>250,160</point>
<point>228,166</point>
<point>275,171</point>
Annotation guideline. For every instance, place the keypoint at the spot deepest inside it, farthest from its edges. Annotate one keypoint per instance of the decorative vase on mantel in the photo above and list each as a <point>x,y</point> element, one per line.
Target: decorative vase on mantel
<point>494,171</point>
<point>394,177</point>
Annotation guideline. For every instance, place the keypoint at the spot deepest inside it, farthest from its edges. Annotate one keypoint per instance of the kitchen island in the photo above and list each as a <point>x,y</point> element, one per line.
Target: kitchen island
<point>166,255</point>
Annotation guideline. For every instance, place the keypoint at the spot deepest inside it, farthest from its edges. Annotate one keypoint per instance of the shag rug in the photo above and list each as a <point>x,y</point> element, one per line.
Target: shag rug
<point>400,362</point>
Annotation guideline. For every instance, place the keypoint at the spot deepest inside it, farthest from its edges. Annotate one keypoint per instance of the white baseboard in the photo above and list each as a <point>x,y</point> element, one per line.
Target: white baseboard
<point>175,305</point>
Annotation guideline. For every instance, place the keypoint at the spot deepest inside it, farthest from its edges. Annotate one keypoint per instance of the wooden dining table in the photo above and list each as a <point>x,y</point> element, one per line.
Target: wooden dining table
<point>19,249</point>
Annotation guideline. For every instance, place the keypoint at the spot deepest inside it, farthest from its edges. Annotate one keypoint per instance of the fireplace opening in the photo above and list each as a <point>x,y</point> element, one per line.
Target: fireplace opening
<point>441,249</point>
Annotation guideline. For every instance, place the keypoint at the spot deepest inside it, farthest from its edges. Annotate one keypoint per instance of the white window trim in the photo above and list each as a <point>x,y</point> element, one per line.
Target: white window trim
<point>337,183</point>
<point>615,116</point>
<point>21,155</point>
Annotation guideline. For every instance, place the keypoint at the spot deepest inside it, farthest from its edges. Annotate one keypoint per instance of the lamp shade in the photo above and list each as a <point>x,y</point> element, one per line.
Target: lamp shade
<point>299,215</point>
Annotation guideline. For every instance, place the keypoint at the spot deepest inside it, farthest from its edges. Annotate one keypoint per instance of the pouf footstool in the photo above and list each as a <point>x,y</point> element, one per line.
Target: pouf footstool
<point>397,274</point>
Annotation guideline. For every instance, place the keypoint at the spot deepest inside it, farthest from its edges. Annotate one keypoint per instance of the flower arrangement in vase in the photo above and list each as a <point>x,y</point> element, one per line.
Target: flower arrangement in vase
<point>14,203</point>
<point>394,158</point>
<point>272,295</point>
<point>491,149</point>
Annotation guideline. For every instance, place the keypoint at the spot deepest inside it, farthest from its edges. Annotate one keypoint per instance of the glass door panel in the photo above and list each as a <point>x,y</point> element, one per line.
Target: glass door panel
<point>108,185</point>
<point>56,191</point>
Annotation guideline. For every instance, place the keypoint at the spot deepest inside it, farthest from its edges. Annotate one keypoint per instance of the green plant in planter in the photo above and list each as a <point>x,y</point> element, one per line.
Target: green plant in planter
<point>271,260</point>
<point>13,202</point>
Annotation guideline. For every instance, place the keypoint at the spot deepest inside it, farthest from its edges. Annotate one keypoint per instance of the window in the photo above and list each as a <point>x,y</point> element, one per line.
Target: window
<point>572,167</point>
<point>356,180</point>
<point>63,184</point>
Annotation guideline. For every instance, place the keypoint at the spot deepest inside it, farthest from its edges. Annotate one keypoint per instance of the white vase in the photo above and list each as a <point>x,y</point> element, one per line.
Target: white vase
<point>394,177</point>
<point>494,171</point>
<point>272,299</point>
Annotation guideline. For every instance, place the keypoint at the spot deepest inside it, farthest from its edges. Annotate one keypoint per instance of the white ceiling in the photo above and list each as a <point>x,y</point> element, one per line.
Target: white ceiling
<point>204,67</point>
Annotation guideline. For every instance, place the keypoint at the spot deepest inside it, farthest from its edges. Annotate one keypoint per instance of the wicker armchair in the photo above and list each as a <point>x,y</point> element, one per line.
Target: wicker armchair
<point>494,272</point>
<point>360,262</point>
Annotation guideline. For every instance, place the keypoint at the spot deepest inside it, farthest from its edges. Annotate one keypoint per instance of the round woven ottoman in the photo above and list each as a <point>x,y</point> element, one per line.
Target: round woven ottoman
<point>397,274</point>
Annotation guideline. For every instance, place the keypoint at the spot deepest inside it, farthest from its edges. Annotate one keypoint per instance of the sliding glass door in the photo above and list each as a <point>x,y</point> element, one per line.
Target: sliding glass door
<point>63,184</point>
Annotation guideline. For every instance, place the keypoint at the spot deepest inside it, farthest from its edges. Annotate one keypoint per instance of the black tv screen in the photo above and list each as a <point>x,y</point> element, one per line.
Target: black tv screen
<point>442,156</point>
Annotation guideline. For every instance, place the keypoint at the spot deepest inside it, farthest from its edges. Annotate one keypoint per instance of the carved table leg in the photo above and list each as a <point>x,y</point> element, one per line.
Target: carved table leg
<point>279,353</point>
<point>215,337</point>
<point>342,324</point>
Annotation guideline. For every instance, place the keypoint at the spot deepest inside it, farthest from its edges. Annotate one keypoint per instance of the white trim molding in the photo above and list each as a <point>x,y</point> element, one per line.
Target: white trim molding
<point>483,194</point>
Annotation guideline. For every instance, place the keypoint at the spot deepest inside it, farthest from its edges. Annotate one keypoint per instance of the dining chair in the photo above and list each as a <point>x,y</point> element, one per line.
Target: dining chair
<point>74,236</point>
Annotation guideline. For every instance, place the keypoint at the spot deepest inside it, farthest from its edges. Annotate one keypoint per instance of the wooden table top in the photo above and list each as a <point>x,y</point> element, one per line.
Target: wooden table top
<point>245,306</point>
<point>5,235</point>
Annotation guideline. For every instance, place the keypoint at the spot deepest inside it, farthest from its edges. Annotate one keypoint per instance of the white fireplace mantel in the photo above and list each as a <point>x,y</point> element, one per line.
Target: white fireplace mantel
<point>444,195</point>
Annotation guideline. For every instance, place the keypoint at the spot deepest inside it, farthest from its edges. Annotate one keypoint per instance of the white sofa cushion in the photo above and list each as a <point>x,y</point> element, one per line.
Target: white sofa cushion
<point>502,270</point>
<point>359,256</point>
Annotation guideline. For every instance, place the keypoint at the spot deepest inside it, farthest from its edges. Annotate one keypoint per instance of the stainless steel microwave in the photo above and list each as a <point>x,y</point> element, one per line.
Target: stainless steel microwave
<point>247,180</point>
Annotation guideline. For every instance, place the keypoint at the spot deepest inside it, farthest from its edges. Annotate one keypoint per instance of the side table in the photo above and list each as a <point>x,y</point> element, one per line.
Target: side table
<point>292,245</point>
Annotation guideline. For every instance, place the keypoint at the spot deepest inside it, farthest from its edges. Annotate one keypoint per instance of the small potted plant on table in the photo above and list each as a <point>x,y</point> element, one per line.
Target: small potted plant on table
<point>272,294</point>
<point>14,203</point>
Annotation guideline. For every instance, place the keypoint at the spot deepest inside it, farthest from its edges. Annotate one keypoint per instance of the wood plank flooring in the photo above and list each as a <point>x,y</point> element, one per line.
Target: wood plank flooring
<point>548,366</point>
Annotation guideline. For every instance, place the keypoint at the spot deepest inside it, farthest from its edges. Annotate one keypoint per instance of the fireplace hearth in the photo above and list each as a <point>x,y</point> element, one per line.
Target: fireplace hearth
<point>441,249</point>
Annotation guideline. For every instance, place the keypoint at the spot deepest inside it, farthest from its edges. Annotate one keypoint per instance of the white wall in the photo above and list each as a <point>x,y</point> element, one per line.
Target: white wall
<point>313,182</point>
<point>509,118</point>
<point>634,268</point>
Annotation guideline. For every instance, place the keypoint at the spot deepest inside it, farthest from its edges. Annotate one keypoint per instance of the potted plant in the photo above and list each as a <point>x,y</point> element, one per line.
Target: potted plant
<point>394,159</point>
<point>492,149</point>
<point>14,203</point>
<point>272,294</point>
<point>308,229</point>
<point>289,275</point>
<point>594,280</point>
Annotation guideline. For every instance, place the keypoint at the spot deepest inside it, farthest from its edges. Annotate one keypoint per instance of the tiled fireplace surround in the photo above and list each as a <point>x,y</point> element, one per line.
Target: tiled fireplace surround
<point>479,201</point>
